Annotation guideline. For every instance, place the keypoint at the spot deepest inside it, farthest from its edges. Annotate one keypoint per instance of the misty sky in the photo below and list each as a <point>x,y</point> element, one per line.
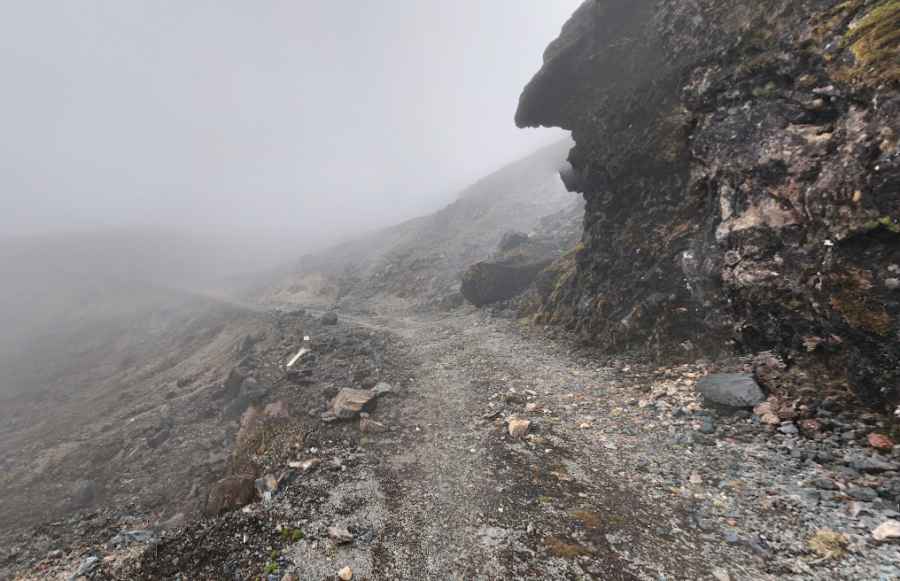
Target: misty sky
<point>295,118</point>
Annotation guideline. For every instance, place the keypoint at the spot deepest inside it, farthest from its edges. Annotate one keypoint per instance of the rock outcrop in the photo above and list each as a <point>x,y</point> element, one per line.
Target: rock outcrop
<point>518,261</point>
<point>740,166</point>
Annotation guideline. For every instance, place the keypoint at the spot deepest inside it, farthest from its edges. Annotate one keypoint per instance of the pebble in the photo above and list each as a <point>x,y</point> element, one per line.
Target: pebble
<point>345,574</point>
<point>881,442</point>
<point>518,427</point>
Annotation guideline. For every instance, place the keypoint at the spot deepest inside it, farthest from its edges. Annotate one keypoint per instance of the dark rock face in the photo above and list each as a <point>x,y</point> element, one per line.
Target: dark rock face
<point>731,390</point>
<point>741,170</point>
<point>517,263</point>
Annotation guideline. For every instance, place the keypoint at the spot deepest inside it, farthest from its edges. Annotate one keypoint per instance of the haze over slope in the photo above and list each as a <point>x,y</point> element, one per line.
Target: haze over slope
<point>420,261</point>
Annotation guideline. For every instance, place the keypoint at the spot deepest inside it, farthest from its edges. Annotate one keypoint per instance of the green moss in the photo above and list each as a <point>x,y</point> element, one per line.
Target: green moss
<point>271,568</point>
<point>872,35</point>
<point>885,222</point>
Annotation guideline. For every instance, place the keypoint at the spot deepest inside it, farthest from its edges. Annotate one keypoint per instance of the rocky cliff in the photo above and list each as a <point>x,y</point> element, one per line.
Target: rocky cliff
<point>740,166</point>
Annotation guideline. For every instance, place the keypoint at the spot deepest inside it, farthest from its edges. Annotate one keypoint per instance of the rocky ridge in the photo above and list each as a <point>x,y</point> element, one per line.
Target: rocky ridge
<point>741,170</point>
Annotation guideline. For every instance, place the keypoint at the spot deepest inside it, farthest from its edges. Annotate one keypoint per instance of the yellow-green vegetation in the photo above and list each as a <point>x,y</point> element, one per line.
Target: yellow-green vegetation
<point>828,544</point>
<point>293,535</point>
<point>875,42</point>
<point>871,34</point>
<point>885,222</point>
<point>588,519</point>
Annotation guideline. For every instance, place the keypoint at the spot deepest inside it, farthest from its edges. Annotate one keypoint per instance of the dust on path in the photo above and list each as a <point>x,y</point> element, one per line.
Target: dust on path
<point>465,501</point>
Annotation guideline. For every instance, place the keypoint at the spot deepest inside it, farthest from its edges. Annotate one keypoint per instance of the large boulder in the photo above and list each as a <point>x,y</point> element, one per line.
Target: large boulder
<point>731,390</point>
<point>518,261</point>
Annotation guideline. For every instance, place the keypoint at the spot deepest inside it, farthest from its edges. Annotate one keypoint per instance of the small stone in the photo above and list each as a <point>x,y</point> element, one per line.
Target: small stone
<point>306,465</point>
<point>531,407</point>
<point>721,574</point>
<point>383,389</point>
<point>825,484</point>
<point>707,426</point>
<point>329,319</point>
<point>518,427</point>
<point>892,283</point>
<point>350,402</point>
<point>788,429</point>
<point>889,530</point>
<point>345,574</point>
<point>696,478</point>
<point>881,442</point>
<point>87,566</point>
<point>370,426</point>
<point>810,428</point>
<point>340,535</point>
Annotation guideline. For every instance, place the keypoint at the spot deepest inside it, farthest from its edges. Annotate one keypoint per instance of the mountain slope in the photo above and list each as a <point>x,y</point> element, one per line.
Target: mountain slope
<point>419,262</point>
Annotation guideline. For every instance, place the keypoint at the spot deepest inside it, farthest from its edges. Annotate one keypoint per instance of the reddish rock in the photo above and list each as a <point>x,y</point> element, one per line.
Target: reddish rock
<point>810,427</point>
<point>881,442</point>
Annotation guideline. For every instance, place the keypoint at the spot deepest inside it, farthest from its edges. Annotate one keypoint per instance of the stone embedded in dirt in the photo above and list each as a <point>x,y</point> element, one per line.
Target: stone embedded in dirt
<point>340,535</point>
<point>532,407</point>
<point>383,388</point>
<point>351,402</point>
<point>278,409</point>
<point>810,427</point>
<point>306,465</point>
<point>733,390</point>
<point>266,486</point>
<point>518,427</point>
<point>329,319</point>
<point>87,567</point>
<point>721,574</point>
<point>881,442</point>
<point>230,493</point>
<point>346,574</point>
<point>889,530</point>
<point>369,426</point>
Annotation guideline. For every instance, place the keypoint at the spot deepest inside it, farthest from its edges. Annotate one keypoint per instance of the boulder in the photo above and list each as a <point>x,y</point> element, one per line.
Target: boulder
<point>329,319</point>
<point>515,266</point>
<point>350,403</point>
<point>230,494</point>
<point>731,390</point>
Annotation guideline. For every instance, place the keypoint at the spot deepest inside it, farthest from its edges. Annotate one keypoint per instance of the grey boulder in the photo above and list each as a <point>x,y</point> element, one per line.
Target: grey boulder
<point>731,390</point>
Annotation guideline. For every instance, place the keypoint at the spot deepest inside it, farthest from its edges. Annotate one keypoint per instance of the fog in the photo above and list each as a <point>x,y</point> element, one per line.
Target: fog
<point>259,130</point>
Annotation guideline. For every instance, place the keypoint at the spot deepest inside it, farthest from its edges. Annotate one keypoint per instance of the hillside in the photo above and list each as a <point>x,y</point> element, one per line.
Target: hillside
<point>420,262</point>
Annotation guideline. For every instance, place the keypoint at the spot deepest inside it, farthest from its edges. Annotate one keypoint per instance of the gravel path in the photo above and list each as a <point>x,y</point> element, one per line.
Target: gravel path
<point>623,474</point>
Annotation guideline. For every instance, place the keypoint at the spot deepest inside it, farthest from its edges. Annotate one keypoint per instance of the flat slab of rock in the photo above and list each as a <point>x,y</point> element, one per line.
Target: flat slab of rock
<point>349,403</point>
<point>731,390</point>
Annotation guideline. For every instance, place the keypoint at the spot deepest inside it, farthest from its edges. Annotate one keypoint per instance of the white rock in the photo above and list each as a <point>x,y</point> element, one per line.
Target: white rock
<point>889,530</point>
<point>346,574</point>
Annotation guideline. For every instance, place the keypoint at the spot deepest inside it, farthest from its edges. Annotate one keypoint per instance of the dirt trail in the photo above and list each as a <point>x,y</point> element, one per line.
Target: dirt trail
<point>466,501</point>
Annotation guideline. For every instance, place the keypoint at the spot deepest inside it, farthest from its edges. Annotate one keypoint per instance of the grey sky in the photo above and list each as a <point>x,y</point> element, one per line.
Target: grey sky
<point>300,118</point>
